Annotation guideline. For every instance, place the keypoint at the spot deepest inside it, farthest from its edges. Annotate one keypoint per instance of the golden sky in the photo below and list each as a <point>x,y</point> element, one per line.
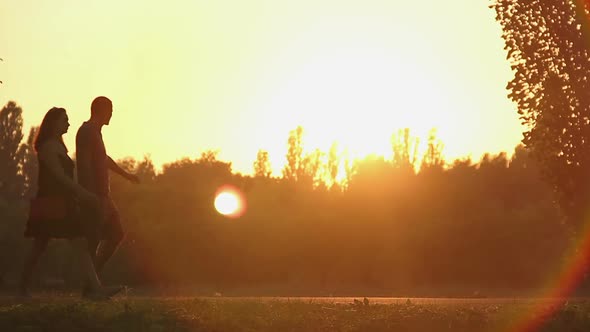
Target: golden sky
<point>187,76</point>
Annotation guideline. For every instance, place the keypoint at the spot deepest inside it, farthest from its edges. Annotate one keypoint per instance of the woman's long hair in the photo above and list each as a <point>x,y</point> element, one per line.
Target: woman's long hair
<point>47,127</point>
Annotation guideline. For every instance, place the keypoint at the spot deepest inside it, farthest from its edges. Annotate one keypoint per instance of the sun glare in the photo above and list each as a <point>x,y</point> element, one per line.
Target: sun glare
<point>230,202</point>
<point>359,97</point>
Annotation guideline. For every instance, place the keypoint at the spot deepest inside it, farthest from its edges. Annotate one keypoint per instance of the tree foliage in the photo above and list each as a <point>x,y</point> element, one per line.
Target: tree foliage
<point>304,168</point>
<point>262,166</point>
<point>433,157</point>
<point>29,164</point>
<point>11,178</point>
<point>405,149</point>
<point>546,43</point>
<point>333,165</point>
<point>295,168</point>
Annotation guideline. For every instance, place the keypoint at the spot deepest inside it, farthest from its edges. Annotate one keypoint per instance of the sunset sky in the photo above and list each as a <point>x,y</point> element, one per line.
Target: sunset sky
<point>187,76</point>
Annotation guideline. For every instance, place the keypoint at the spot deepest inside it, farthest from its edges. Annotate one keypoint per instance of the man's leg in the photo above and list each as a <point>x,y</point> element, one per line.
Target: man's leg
<point>112,236</point>
<point>93,289</point>
<point>98,229</point>
<point>105,251</point>
<point>93,245</point>
<point>83,248</point>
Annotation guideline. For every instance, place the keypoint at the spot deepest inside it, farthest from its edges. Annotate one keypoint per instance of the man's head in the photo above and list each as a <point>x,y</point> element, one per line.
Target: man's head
<point>101,110</point>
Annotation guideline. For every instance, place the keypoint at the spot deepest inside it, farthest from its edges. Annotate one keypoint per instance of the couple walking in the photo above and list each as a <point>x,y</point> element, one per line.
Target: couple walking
<point>81,211</point>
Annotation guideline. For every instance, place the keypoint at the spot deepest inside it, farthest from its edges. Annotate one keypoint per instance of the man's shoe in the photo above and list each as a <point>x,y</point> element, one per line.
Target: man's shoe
<point>112,290</point>
<point>86,289</point>
<point>101,293</point>
<point>24,294</point>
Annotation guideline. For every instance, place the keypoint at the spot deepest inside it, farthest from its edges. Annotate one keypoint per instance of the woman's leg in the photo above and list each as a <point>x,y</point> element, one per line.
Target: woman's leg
<point>38,248</point>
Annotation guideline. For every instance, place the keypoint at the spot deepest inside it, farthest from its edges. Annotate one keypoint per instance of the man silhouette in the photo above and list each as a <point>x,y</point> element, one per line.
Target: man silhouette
<point>93,165</point>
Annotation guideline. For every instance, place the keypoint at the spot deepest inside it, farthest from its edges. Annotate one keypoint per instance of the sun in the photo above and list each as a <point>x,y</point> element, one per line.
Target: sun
<point>359,97</point>
<point>230,202</point>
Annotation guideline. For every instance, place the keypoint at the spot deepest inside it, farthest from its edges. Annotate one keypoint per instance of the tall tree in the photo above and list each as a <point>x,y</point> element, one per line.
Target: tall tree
<point>333,165</point>
<point>405,149</point>
<point>433,157</point>
<point>295,168</point>
<point>11,126</point>
<point>29,164</point>
<point>313,168</point>
<point>262,165</point>
<point>547,45</point>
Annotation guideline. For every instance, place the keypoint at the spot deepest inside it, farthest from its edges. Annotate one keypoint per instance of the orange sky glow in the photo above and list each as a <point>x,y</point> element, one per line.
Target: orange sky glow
<point>237,76</point>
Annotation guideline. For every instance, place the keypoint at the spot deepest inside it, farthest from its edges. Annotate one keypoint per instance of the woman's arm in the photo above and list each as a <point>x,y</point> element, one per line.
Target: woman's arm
<point>49,154</point>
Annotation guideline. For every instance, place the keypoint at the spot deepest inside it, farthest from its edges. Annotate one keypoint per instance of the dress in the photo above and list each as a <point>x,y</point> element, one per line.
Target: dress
<point>50,186</point>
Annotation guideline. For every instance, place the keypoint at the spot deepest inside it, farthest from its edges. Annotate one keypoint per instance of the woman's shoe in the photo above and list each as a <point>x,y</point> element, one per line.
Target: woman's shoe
<point>23,292</point>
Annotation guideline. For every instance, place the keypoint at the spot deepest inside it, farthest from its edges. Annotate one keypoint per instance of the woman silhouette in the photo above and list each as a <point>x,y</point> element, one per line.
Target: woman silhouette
<point>54,211</point>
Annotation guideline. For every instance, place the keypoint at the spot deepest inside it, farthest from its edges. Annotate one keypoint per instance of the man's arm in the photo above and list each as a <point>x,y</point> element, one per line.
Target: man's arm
<point>85,162</point>
<point>85,169</point>
<point>112,165</point>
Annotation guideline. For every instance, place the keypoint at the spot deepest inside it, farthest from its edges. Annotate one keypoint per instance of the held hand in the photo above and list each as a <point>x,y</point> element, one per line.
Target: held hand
<point>133,178</point>
<point>88,197</point>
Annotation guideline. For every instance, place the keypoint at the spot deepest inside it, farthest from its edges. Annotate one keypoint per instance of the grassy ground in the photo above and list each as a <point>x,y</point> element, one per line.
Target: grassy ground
<point>68,313</point>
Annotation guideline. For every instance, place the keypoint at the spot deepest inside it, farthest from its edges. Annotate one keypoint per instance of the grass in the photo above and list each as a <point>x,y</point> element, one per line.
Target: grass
<point>64,314</point>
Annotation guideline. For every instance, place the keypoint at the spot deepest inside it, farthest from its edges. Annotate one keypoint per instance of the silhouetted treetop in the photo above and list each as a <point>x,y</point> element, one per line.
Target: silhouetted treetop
<point>546,45</point>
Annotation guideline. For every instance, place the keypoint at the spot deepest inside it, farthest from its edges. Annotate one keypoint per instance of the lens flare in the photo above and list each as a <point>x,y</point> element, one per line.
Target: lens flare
<point>230,202</point>
<point>226,203</point>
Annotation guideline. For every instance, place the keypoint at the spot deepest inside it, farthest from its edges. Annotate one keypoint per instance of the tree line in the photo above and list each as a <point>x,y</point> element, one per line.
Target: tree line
<point>408,224</point>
